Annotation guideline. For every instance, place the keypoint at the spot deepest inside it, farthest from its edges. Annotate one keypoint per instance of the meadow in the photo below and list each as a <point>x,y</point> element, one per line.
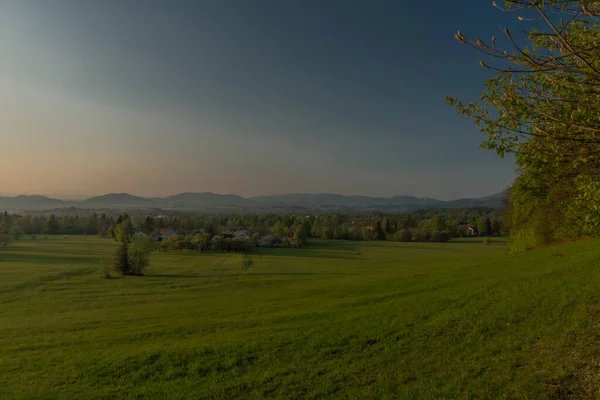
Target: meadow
<point>331,320</point>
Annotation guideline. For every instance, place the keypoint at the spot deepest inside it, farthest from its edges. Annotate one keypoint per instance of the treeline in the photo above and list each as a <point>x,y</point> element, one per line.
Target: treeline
<point>52,224</point>
<point>426,225</point>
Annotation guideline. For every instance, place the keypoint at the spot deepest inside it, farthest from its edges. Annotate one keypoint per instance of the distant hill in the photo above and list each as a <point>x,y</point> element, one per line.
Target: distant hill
<point>213,202</point>
<point>31,202</point>
<point>494,201</point>
<point>207,199</point>
<point>118,200</point>
<point>338,201</point>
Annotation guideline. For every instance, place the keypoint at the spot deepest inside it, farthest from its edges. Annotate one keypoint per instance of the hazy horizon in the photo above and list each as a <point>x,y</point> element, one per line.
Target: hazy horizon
<point>71,197</point>
<point>252,99</point>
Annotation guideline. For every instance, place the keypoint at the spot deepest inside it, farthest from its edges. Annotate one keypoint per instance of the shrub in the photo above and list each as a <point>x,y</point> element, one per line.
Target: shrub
<point>523,240</point>
<point>138,255</point>
<point>107,266</point>
<point>247,262</point>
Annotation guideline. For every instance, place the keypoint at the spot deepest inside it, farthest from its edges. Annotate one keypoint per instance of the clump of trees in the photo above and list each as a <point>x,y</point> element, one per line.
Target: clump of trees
<point>543,106</point>
<point>133,256</point>
<point>204,243</point>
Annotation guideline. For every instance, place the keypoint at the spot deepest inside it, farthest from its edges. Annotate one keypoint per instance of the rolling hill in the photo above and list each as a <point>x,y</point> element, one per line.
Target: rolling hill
<point>31,202</point>
<point>207,199</point>
<point>213,202</point>
<point>119,200</point>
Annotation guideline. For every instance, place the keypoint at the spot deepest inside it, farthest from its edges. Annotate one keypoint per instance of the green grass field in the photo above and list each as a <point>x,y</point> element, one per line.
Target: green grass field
<point>335,319</point>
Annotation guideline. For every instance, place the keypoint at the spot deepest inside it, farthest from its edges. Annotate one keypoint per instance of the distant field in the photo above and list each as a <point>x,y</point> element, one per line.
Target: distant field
<point>335,319</point>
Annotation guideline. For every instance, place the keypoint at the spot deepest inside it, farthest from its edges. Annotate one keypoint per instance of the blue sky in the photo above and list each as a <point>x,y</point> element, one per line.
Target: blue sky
<point>248,97</point>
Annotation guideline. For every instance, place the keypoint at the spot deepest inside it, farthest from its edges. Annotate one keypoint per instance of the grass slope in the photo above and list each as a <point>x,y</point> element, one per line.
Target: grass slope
<point>352,320</point>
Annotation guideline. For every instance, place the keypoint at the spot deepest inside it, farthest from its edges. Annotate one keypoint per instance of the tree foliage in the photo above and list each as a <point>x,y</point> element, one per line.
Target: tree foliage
<point>543,105</point>
<point>121,260</point>
<point>124,229</point>
<point>138,255</point>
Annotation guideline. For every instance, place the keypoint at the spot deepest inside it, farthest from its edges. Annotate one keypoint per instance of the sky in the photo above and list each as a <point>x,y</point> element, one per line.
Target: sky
<point>250,97</point>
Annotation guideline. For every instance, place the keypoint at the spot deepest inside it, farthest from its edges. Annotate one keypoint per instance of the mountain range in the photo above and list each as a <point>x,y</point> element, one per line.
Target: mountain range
<point>213,202</point>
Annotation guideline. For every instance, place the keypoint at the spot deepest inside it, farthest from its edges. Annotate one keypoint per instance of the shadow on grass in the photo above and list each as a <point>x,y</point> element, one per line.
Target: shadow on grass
<point>46,259</point>
<point>296,274</point>
<point>191,276</point>
<point>304,253</point>
<point>186,276</point>
<point>63,276</point>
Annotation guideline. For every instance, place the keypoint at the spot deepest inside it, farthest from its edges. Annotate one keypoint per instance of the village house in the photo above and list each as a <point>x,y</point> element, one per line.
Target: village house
<point>472,231</point>
<point>241,235</point>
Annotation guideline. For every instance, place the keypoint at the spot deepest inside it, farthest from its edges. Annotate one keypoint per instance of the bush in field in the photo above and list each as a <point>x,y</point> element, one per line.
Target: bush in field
<point>133,257</point>
<point>138,255</point>
<point>107,266</point>
<point>525,239</point>
<point>247,262</point>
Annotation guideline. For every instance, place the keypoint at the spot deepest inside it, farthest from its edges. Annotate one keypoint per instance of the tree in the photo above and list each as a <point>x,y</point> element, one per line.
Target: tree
<point>5,222</point>
<point>53,224</point>
<point>138,255</point>
<point>543,105</point>
<point>386,225</point>
<point>496,226</point>
<point>91,227</point>
<point>300,234</point>
<point>148,225</point>
<point>341,232</point>
<point>16,232</point>
<point>279,229</point>
<point>121,260</point>
<point>124,231</point>
<point>379,233</point>
<point>545,96</point>
<point>484,226</point>
<point>326,233</point>
<point>404,235</point>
